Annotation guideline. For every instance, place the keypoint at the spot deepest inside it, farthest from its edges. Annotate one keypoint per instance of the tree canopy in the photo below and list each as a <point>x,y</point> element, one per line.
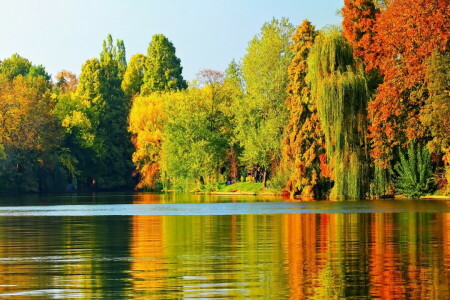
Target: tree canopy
<point>163,71</point>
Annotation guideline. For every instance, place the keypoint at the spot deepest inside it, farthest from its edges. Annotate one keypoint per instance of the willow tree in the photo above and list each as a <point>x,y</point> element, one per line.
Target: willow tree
<point>340,92</point>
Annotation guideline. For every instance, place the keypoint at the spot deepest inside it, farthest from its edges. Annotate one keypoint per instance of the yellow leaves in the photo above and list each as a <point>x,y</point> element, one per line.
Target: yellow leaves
<point>77,118</point>
<point>146,121</point>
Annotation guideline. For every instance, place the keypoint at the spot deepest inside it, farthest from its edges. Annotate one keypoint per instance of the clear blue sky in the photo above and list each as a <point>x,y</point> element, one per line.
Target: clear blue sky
<point>208,34</point>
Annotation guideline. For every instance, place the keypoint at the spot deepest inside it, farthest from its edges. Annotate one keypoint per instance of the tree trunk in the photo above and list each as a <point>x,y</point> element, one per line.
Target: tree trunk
<point>264,179</point>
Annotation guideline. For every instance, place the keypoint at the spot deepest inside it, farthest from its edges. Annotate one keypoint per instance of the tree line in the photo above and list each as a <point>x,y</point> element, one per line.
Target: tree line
<point>348,112</point>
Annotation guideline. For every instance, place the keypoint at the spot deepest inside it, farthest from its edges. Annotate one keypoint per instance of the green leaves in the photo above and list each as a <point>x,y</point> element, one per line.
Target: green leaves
<point>261,115</point>
<point>414,171</point>
<point>340,92</point>
<point>14,66</point>
<point>194,148</point>
<point>162,67</point>
<point>95,119</point>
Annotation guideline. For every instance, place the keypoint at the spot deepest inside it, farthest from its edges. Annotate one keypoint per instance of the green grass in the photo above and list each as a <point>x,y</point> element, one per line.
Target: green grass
<point>248,187</point>
<point>240,187</point>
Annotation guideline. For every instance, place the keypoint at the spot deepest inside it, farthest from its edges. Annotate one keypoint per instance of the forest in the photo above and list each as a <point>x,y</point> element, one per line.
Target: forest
<point>356,111</point>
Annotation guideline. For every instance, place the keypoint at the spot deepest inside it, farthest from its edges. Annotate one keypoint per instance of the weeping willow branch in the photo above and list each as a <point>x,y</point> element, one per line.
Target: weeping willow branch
<point>340,92</point>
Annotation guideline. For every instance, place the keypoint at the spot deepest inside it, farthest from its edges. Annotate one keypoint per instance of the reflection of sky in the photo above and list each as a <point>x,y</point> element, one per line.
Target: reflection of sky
<point>242,208</point>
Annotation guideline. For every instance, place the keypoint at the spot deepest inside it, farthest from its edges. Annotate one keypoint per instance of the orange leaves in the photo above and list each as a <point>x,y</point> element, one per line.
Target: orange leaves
<point>406,34</point>
<point>397,40</point>
<point>324,166</point>
<point>358,23</point>
<point>302,144</point>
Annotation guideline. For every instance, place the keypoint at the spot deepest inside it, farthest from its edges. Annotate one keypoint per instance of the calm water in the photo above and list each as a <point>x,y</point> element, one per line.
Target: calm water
<point>148,246</point>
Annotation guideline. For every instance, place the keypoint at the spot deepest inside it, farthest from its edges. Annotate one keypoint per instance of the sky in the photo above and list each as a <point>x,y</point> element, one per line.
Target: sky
<point>207,34</point>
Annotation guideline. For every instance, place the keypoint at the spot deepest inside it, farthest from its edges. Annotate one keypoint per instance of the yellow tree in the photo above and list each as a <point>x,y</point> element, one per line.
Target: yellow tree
<point>146,121</point>
<point>29,134</point>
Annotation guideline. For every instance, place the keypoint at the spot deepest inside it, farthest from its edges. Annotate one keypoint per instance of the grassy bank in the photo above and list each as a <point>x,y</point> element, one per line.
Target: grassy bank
<point>240,188</point>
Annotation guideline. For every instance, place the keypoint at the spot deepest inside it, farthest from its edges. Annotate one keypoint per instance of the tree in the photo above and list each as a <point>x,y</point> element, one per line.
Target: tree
<point>14,66</point>
<point>436,111</point>
<point>134,75</point>
<point>406,34</point>
<point>95,118</point>
<point>194,148</point>
<point>359,17</point>
<point>262,114</point>
<point>162,67</point>
<point>414,172</point>
<point>233,91</point>
<point>435,114</point>
<point>66,81</point>
<point>303,145</point>
<point>29,134</point>
<point>340,92</point>
<point>146,124</point>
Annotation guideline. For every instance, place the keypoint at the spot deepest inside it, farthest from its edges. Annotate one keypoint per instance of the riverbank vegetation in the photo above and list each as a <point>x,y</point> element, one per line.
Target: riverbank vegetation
<point>349,112</point>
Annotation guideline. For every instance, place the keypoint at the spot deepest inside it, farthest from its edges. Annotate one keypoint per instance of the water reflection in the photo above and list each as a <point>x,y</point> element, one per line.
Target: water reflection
<point>297,256</point>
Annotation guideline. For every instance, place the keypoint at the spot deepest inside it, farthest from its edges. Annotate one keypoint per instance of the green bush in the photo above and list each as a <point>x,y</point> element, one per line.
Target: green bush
<point>279,179</point>
<point>414,172</point>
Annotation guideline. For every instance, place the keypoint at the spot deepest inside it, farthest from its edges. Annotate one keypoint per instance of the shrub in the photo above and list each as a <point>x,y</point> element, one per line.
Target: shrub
<point>414,172</point>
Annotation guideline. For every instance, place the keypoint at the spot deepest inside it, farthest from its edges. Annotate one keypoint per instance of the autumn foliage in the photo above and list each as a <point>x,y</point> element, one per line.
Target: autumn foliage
<point>304,141</point>
<point>397,41</point>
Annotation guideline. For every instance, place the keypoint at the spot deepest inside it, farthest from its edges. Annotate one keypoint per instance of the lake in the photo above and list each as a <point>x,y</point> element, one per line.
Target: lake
<point>170,246</point>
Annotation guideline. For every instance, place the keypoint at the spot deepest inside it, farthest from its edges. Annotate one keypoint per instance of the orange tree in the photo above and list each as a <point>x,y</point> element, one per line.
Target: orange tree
<point>397,40</point>
<point>303,145</point>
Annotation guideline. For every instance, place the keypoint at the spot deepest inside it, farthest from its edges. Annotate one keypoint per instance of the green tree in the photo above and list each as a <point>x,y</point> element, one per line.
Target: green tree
<point>14,66</point>
<point>95,118</point>
<point>414,172</point>
<point>340,92</point>
<point>194,148</point>
<point>233,92</point>
<point>162,67</point>
<point>262,114</point>
<point>134,75</point>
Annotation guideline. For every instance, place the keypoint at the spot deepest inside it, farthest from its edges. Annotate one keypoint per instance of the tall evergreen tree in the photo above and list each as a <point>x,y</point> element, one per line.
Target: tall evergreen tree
<point>303,146</point>
<point>162,67</point>
<point>340,92</point>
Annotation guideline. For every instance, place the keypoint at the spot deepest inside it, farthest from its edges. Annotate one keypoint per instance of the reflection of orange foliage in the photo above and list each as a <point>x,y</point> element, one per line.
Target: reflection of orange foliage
<point>302,253</point>
<point>384,271</point>
<point>147,252</point>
